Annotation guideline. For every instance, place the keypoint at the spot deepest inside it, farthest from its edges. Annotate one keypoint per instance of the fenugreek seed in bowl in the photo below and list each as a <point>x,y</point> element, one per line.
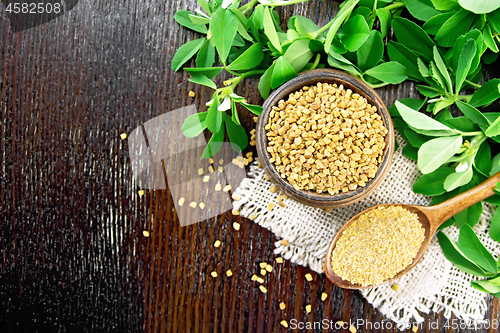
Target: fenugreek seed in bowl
<point>325,139</point>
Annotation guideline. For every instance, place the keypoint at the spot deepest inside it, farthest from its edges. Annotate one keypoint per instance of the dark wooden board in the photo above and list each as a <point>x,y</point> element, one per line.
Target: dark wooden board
<point>73,257</point>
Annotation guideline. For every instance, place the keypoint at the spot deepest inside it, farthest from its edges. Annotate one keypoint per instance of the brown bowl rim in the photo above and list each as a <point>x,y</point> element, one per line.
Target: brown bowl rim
<point>325,200</point>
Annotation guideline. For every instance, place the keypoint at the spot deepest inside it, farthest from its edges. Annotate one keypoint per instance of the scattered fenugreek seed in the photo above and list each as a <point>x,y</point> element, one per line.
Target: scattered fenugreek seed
<point>282,204</point>
<point>270,206</point>
<point>200,171</point>
<point>145,233</point>
<point>235,212</point>
<point>309,277</point>
<point>191,93</point>
<point>395,287</point>
<point>220,169</point>
<point>284,323</point>
<point>218,187</point>
<point>262,272</point>
<point>269,268</point>
<point>227,188</point>
<point>414,328</point>
<point>211,160</point>
<point>352,329</point>
<point>141,193</point>
<point>254,277</point>
<point>324,296</point>
<point>279,260</point>
<point>236,226</point>
<point>229,273</point>
<point>263,264</point>
<point>284,242</point>
<point>202,205</point>
<point>181,201</point>
<point>260,280</point>
<point>123,136</point>
<point>193,204</point>
<point>308,308</point>
<point>253,217</point>
<point>273,189</point>
<point>282,306</point>
<point>211,169</point>
<point>217,243</point>
<point>263,289</point>
<point>236,196</point>
<point>206,179</point>
<point>285,196</point>
<point>214,274</point>
<point>221,161</point>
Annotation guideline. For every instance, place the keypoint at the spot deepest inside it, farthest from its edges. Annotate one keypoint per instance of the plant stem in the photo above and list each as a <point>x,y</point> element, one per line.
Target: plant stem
<point>464,97</point>
<point>472,83</point>
<point>470,133</point>
<point>377,85</point>
<point>394,6</point>
<point>316,61</point>
<point>249,6</point>
<point>285,3</point>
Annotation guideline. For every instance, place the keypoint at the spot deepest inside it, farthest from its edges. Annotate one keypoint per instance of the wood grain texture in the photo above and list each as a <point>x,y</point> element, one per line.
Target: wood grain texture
<point>73,258</point>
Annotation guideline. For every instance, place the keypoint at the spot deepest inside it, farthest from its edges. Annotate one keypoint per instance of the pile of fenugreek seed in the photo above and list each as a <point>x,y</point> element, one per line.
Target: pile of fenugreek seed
<point>377,245</point>
<point>325,138</point>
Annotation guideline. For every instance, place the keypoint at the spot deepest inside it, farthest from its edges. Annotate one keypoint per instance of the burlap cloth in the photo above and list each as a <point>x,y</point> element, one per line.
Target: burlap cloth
<point>433,285</point>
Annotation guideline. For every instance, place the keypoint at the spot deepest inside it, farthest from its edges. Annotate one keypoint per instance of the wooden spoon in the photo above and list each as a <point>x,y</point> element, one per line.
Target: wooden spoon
<point>431,217</point>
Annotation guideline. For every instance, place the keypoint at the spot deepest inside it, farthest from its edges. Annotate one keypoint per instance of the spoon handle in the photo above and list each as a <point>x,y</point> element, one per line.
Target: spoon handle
<point>443,211</point>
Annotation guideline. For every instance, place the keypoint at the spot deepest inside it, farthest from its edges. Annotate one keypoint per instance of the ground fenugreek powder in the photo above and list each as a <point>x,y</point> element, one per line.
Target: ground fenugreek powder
<point>325,138</point>
<point>377,245</point>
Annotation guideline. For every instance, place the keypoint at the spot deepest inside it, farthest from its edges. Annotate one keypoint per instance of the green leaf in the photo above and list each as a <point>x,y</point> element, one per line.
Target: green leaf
<point>459,44</point>
<point>249,59</point>
<point>445,4</point>
<point>236,133</point>
<point>428,91</point>
<point>354,32</point>
<point>421,9</point>
<point>410,152</point>
<point>343,13</point>
<point>413,37</point>
<point>384,17</point>
<point>415,139</point>
<point>204,4</point>
<point>255,109</point>
<point>194,125</point>
<point>203,80</point>
<point>413,103</point>
<point>473,114</point>
<point>488,93</point>
<point>472,247</point>
<point>480,6</point>
<point>457,179</point>
<point>437,151</point>
<point>234,113</point>
<point>457,257</point>
<point>298,54</point>
<point>209,72</point>
<point>493,129</point>
<point>435,23</point>
<point>454,27</point>
<point>482,161</point>
<point>464,63</point>
<point>463,124</point>
<point>338,61</point>
<point>495,165</point>
<point>215,143</point>
<point>186,52</point>
<point>223,26</point>
<point>303,25</point>
<point>495,226</point>
<point>282,72</point>
<point>422,68</point>
<point>421,123</point>
<point>264,85</point>
<point>214,116</point>
<point>400,53</point>
<point>432,183</point>
<point>442,69</point>
<point>182,17</point>
<point>206,57</point>
<point>486,286</point>
<point>270,29</point>
<point>488,38</point>
<point>391,72</point>
<point>370,53</point>
<point>199,19</point>
<point>494,20</point>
